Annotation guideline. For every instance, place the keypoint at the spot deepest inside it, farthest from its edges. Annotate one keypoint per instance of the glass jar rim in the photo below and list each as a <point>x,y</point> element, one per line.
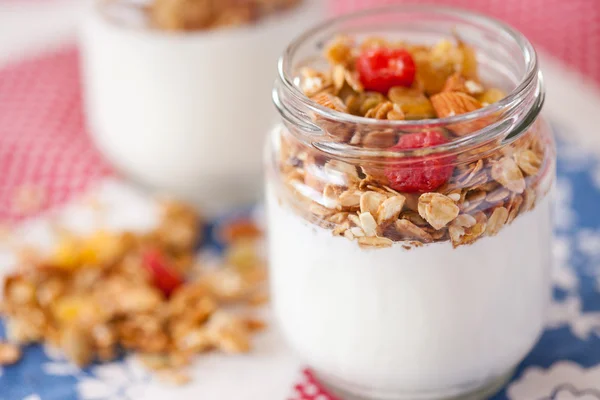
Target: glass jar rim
<point>531,81</point>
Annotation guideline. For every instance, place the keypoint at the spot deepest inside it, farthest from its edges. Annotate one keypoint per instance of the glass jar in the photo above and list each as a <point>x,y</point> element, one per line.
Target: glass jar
<point>409,295</point>
<point>167,107</point>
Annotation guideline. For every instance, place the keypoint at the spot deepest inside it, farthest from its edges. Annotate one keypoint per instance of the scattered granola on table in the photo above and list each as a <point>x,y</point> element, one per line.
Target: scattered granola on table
<point>456,197</point>
<point>97,296</point>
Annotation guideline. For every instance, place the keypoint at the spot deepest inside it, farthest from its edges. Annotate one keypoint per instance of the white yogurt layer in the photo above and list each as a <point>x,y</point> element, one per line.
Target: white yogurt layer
<point>429,319</point>
<point>187,112</point>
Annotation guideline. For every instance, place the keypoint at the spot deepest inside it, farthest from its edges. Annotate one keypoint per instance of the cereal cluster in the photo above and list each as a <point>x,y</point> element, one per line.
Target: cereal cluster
<point>193,15</point>
<point>98,296</point>
<point>426,199</point>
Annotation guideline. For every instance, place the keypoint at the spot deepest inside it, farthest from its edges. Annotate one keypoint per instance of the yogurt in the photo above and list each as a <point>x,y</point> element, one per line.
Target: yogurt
<point>185,112</point>
<point>433,319</point>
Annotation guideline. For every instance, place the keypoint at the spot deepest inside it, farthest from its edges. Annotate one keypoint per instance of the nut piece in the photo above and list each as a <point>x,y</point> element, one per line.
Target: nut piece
<point>437,209</point>
<point>466,228</point>
<point>339,77</point>
<point>9,353</point>
<point>374,242</point>
<point>368,224</point>
<point>330,101</point>
<point>331,195</point>
<point>177,15</point>
<point>25,330</point>
<point>413,103</point>
<point>77,345</point>
<point>455,83</point>
<point>342,76</point>
<point>187,15</point>
<point>353,80</point>
<point>319,210</point>
<point>506,172</point>
<point>370,202</point>
<point>313,81</point>
<point>386,110</point>
<point>528,161</point>
<point>340,171</point>
<point>514,207</point>
<point>229,333</point>
<point>448,104</point>
<point>409,231</point>
<point>19,291</point>
<point>350,199</point>
<point>529,201</point>
<point>339,51</point>
<point>379,139</point>
<point>496,221</point>
<point>390,209</point>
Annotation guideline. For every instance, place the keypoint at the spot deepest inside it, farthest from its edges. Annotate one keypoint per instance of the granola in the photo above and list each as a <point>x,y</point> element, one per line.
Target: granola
<point>193,15</point>
<point>9,353</point>
<point>427,198</point>
<point>97,296</point>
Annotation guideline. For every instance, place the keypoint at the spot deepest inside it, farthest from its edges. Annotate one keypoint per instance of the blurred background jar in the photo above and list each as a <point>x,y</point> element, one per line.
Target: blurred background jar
<point>177,91</point>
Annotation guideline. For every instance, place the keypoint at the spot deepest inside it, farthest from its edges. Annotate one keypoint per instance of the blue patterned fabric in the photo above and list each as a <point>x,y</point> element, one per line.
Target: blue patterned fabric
<point>564,365</point>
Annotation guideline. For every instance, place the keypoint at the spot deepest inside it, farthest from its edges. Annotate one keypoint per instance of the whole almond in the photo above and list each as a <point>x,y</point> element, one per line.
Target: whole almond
<point>448,104</point>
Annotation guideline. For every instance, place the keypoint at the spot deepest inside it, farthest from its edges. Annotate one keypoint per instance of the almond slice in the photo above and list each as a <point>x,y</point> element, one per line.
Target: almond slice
<point>331,195</point>
<point>496,221</point>
<point>409,231</point>
<point>374,241</point>
<point>370,202</point>
<point>339,77</point>
<point>350,198</point>
<point>368,224</point>
<point>330,101</point>
<point>390,209</point>
<point>353,218</point>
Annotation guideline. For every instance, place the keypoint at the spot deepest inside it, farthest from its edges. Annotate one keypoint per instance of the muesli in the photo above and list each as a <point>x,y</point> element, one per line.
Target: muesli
<point>99,296</point>
<point>427,199</point>
<point>193,15</point>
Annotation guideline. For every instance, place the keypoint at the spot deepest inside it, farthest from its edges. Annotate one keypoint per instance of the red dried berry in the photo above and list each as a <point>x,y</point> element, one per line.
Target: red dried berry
<point>424,174</point>
<point>381,69</point>
<point>163,276</point>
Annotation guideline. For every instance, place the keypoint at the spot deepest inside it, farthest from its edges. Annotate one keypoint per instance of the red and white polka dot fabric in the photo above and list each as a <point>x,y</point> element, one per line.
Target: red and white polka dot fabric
<point>44,150</point>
